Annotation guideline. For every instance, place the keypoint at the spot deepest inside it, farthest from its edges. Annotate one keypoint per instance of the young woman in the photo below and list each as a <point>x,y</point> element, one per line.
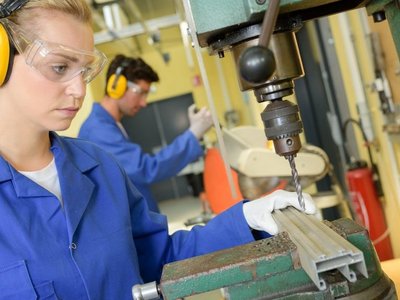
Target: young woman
<point>72,226</point>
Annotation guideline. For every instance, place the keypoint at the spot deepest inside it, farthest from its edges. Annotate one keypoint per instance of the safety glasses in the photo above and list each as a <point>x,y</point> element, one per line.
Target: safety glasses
<point>54,61</point>
<point>137,89</point>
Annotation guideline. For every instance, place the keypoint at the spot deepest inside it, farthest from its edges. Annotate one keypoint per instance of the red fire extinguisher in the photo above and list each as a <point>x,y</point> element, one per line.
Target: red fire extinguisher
<point>367,207</point>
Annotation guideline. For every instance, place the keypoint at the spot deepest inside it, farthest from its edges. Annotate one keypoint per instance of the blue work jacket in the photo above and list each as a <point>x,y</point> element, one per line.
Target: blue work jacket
<point>102,241</point>
<point>142,168</point>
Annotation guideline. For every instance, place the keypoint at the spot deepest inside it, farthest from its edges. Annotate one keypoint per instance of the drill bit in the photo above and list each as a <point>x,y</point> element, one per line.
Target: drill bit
<point>295,177</point>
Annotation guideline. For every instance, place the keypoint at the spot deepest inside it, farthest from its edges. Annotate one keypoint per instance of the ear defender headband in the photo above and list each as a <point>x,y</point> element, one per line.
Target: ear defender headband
<point>117,83</point>
<point>6,48</point>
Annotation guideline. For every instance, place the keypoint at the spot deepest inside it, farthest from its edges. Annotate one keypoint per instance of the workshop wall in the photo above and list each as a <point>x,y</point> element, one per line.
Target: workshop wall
<point>381,150</point>
<point>391,58</point>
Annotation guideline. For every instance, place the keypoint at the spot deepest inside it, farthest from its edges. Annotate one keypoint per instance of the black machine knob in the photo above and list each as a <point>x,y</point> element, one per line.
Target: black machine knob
<point>256,64</point>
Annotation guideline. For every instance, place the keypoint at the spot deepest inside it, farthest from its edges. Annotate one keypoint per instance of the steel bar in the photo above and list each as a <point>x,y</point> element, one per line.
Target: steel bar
<point>268,24</point>
<point>320,248</point>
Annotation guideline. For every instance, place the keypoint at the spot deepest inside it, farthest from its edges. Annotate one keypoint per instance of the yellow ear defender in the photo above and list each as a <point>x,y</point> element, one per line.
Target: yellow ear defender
<point>116,86</point>
<point>4,55</point>
<point>117,83</point>
<point>7,50</point>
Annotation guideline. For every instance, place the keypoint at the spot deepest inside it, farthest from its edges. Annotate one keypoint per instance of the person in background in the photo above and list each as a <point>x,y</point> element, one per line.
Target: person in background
<point>73,226</point>
<point>128,83</point>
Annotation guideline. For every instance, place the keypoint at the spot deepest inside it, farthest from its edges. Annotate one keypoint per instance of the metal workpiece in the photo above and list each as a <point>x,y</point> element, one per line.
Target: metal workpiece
<point>320,248</point>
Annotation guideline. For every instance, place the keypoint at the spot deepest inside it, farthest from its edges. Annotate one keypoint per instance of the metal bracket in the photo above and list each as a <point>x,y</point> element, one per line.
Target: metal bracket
<point>320,248</point>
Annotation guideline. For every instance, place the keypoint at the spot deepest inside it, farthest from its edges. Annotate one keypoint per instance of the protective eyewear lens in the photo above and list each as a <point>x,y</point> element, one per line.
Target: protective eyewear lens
<point>137,89</point>
<point>54,61</point>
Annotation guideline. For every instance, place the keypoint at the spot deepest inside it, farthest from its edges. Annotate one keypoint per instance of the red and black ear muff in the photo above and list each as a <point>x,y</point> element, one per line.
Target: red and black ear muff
<point>6,56</point>
<point>117,84</point>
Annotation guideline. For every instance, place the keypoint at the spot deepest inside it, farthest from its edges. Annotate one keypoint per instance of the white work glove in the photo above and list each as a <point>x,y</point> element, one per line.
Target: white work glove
<point>200,121</point>
<point>258,213</point>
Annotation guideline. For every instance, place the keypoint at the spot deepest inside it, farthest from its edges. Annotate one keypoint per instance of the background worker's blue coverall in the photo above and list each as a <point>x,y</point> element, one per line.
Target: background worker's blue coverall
<point>142,168</point>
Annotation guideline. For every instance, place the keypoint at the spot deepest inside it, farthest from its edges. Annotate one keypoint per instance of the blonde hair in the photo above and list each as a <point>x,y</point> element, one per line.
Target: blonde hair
<point>79,9</point>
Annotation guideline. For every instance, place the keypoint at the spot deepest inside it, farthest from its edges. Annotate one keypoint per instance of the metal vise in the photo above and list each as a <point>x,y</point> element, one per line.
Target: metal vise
<point>272,269</point>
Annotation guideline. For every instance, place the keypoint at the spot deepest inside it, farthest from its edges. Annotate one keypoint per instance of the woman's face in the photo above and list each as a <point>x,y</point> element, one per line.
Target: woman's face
<point>39,102</point>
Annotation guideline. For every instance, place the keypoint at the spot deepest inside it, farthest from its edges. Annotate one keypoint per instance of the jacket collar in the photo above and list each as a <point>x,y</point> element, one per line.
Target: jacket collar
<point>76,155</point>
<point>76,187</point>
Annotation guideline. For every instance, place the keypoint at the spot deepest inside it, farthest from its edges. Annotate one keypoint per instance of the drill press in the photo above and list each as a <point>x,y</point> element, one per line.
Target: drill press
<point>268,61</point>
<point>261,35</point>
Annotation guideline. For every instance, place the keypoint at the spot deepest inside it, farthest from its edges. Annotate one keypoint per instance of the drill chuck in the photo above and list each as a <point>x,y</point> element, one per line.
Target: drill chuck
<point>283,125</point>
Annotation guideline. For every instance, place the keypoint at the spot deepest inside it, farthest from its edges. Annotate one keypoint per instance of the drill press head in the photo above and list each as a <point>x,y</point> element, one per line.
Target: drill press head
<point>281,117</point>
<point>235,25</point>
